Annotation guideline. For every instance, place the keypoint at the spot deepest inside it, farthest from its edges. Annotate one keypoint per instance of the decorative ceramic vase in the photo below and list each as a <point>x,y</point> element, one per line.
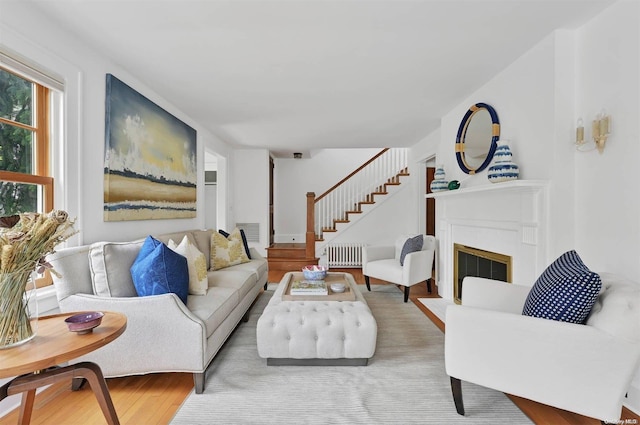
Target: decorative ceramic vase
<point>503,168</point>
<point>18,308</point>
<point>439,182</point>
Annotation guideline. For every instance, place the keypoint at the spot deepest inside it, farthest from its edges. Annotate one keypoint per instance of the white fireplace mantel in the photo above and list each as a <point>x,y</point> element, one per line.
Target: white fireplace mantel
<point>508,218</point>
<point>510,186</point>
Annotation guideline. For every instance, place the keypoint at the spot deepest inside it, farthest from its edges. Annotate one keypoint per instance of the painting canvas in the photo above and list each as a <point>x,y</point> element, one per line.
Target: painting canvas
<point>150,159</point>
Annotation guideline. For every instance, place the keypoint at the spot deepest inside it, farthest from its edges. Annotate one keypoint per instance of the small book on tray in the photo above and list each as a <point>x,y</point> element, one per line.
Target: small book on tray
<point>309,287</point>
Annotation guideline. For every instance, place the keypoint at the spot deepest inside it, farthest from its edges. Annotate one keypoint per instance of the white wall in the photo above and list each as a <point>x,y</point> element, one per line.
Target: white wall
<point>607,219</point>
<point>593,202</point>
<point>293,178</point>
<point>530,112</point>
<point>79,175</point>
<point>251,193</point>
<point>607,202</point>
<point>210,196</point>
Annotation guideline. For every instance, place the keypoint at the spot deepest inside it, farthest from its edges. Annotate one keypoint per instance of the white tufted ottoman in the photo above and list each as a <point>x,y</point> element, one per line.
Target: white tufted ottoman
<point>317,332</point>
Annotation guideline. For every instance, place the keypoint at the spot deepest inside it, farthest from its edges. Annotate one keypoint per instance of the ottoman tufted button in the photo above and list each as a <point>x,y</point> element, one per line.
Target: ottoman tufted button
<point>315,337</point>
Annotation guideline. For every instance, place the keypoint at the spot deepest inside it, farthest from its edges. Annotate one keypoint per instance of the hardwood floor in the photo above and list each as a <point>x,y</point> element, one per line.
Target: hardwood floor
<point>154,399</point>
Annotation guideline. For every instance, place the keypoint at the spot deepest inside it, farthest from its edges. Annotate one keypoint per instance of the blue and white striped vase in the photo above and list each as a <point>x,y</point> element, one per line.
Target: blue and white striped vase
<point>503,168</point>
<point>439,182</point>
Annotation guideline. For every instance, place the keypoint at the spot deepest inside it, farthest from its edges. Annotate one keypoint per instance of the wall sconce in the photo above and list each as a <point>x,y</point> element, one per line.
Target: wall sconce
<point>600,128</point>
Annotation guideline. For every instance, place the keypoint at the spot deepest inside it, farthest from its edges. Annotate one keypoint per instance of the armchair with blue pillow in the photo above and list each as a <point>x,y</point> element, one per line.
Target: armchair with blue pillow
<point>408,262</point>
<point>571,341</point>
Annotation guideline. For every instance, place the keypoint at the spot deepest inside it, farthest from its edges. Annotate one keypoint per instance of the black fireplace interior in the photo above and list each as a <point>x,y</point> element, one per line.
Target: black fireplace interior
<point>474,265</point>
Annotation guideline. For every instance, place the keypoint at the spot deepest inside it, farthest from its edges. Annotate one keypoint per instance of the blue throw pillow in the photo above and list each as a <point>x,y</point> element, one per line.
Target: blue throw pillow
<point>244,240</point>
<point>565,291</point>
<point>160,270</point>
<point>413,244</point>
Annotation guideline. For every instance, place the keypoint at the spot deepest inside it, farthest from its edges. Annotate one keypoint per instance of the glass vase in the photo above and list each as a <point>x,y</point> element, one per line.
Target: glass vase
<point>18,308</point>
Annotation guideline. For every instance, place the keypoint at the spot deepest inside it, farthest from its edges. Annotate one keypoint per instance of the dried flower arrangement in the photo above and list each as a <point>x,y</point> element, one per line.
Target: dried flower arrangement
<point>25,241</point>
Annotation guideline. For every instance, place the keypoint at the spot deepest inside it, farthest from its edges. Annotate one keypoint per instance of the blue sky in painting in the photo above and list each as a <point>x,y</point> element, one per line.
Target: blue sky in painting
<point>143,138</point>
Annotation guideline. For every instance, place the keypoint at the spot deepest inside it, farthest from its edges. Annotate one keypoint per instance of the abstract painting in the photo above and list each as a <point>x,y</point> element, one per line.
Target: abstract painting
<point>150,159</point>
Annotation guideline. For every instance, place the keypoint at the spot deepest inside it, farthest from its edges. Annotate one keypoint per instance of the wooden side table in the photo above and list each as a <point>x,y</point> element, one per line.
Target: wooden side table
<point>36,361</point>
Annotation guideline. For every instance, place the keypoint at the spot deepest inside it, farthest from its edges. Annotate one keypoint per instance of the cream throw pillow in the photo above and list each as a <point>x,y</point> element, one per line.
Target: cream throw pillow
<point>197,264</point>
<point>229,251</point>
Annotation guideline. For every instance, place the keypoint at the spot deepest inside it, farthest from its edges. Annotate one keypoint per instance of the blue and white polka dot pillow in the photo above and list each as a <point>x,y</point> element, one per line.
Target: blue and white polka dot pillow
<point>565,291</point>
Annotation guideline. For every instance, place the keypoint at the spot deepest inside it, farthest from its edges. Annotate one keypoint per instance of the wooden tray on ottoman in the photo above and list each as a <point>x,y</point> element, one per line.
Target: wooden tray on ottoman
<point>347,295</point>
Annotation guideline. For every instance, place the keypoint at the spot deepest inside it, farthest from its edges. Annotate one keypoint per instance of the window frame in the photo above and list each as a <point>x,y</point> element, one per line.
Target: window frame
<point>41,175</point>
<point>42,147</point>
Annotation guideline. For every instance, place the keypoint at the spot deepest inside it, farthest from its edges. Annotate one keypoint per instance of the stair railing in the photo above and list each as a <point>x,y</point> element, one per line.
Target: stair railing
<point>350,192</point>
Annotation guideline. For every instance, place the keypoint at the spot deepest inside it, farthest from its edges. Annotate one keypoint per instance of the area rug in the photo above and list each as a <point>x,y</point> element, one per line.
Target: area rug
<point>404,383</point>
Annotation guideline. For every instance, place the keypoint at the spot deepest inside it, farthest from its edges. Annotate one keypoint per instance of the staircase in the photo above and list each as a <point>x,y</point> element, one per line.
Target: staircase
<point>337,208</point>
<point>288,256</point>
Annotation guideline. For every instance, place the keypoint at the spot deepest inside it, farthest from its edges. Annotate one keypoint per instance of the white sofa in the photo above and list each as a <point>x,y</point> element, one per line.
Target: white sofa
<point>163,334</point>
<point>585,369</point>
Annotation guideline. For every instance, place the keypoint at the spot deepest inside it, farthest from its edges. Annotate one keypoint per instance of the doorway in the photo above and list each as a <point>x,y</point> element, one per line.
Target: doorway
<point>430,208</point>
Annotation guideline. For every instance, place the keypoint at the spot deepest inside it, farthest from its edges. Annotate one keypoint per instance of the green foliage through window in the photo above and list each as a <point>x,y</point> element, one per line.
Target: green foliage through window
<point>17,137</point>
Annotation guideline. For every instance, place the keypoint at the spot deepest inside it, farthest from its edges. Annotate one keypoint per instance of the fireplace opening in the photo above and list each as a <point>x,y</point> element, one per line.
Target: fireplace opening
<point>468,261</point>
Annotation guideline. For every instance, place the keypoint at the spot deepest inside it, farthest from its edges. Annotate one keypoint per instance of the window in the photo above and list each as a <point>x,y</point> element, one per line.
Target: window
<point>25,180</point>
<point>26,112</point>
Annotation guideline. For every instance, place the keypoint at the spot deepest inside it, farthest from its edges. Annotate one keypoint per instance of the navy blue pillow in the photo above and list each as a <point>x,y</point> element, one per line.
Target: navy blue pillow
<point>160,270</point>
<point>413,244</point>
<point>244,241</point>
<point>565,291</point>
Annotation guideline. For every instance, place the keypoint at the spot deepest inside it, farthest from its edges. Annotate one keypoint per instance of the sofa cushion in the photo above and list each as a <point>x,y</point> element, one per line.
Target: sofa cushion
<point>196,263</point>
<point>244,241</point>
<point>388,269</point>
<point>617,309</point>
<point>565,291</point>
<point>174,236</point>
<point>413,244</point>
<point>214,307</point>
<point>259,267</point>
<point>202,239</point>
<point>159,270</point>
<point>227,251</point>
<point>109,264</point>
<point>241,281</point>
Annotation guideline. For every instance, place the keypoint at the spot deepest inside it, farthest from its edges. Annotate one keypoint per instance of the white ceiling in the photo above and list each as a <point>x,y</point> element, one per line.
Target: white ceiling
<point>302,75</point>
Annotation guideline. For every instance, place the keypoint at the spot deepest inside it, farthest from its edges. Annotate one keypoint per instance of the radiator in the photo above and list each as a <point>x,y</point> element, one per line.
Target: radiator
<point>348,254</point>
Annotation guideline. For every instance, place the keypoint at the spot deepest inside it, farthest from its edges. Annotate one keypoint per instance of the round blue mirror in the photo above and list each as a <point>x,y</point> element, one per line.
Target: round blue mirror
<point>477,138</point>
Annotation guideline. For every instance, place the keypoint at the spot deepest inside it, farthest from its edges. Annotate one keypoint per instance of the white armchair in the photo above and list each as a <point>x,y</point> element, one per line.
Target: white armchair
<point>584,369</point>
<point>383,262</point>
